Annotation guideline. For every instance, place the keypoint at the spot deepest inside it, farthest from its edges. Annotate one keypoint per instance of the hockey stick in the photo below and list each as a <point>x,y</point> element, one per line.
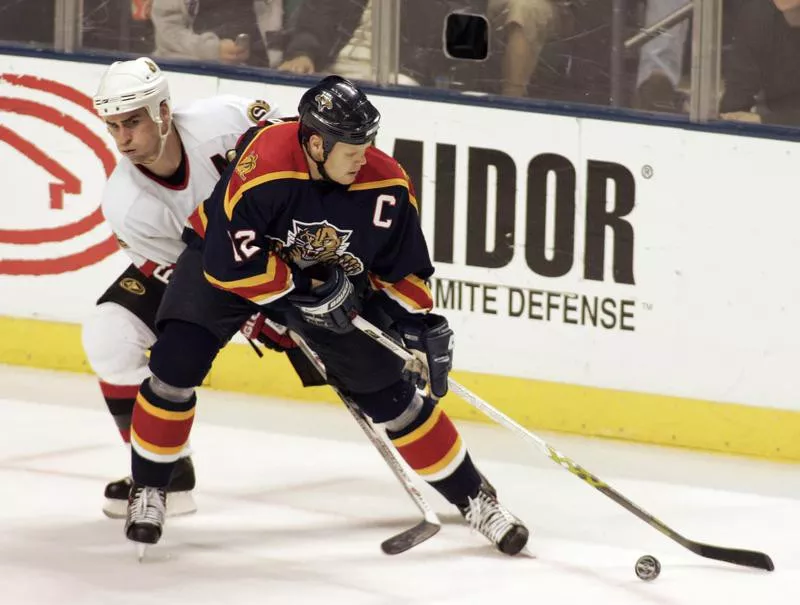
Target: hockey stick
<point>747,558</point>
<point>430,524</point>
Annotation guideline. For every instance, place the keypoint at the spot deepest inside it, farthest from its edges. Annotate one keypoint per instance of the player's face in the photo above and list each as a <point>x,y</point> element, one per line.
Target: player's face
<point>345,160</point>
<point>135,134</point>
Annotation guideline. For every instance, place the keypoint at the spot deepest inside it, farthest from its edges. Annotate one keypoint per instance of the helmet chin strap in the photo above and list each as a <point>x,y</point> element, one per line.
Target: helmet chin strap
<point>162,140</point>
<point>323,173</point>
<point>321,164</point>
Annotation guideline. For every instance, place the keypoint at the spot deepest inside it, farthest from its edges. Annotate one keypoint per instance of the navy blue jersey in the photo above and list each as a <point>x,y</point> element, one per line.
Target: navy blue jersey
<point>268,223</point>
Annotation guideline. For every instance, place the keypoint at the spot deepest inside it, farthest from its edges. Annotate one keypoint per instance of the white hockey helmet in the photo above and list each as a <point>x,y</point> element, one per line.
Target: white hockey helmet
<point>130,85</point>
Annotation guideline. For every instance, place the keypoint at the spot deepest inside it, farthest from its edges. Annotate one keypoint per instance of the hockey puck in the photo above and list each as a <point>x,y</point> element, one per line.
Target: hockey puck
<point>647,568</point>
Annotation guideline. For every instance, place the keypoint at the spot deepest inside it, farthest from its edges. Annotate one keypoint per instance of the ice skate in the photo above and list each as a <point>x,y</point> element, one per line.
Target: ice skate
<point>145,518</point>
<point>180,500</point>
<point>485,514</point>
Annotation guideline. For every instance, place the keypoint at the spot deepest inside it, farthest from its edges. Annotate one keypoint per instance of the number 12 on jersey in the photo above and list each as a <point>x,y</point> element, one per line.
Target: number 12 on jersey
<point>242,244</point>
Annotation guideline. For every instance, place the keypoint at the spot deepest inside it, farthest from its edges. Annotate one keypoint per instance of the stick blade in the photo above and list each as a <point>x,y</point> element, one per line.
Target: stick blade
<point>410,538</point>
<point>747,558</point>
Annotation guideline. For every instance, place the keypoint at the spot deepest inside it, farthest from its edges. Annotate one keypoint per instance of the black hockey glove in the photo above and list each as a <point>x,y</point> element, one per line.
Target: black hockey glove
<point>433,337</point>
<point>329,305</point>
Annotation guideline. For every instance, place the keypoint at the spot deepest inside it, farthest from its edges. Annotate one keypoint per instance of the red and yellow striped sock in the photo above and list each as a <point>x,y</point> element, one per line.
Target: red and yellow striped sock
<point>433,447</point>
<point>159,433</point>
<point>120,399</point>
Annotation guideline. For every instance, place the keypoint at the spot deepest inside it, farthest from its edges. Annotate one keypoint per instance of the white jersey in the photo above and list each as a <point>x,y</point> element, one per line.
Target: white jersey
<point>148,214</point>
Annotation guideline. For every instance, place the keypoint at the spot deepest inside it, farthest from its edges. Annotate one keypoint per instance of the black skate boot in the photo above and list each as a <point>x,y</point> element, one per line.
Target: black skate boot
<point>116,504</point>
<point>180,500</point>
<point>485,514</point>
<point>147,508</point>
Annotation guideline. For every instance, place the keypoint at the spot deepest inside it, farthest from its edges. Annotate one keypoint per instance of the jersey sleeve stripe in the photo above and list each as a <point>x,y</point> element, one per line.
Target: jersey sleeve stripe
<point>198,220</point>
<point>201,212</point>
<point>234,192</point>
<point>411,292</point>
<point>260,289</point>
<point>415,298</point>
<point>411,197</point>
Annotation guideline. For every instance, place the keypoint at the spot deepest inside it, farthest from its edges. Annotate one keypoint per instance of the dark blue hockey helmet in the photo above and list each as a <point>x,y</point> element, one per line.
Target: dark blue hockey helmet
<point>339,112</point>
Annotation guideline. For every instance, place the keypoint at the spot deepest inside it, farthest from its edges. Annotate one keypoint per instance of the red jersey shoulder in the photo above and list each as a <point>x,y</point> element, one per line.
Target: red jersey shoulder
<point>274,154</point>
<point>379,167</point>
<point>274,149</point>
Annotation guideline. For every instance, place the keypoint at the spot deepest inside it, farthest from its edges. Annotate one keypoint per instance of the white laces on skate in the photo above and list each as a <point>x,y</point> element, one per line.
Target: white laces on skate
<point>148,506</point>
<point>487,516</point>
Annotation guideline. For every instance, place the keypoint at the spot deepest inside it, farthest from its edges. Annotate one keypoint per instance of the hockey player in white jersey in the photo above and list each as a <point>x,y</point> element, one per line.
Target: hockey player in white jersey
<point>171,162</point>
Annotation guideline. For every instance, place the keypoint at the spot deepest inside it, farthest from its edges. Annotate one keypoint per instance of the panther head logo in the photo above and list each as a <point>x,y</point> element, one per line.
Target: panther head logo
<point>319,244</point>
<point>324,101</point>
<point>311,243</point>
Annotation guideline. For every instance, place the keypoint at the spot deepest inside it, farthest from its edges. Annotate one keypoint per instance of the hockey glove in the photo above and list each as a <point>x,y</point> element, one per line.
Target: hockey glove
<point>272,335</point>
<point>434,339</point>
<point>329,305</point>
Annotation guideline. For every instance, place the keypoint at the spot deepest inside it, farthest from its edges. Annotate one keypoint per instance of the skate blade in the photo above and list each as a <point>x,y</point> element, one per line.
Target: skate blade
<point>526,553</point>
<point>180,504</point>
<point>115,509</point>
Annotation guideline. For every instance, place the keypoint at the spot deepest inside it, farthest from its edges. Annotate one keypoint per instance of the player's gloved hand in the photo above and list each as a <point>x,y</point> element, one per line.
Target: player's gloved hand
<point>272,335</point>
<point>329,304</point>
<point>431,335</point>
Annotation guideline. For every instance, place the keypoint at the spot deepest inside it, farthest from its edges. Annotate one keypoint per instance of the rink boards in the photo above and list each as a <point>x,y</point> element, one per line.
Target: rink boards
<point>602,277</point>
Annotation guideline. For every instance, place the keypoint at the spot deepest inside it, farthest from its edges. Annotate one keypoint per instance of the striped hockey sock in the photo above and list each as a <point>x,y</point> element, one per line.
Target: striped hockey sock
<point>159,433</point>
<point>120,400</point>
<point>433,447</point>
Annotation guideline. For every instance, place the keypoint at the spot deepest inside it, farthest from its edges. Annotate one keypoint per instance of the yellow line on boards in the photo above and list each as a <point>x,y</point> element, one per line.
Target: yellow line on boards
<point>538,405</point>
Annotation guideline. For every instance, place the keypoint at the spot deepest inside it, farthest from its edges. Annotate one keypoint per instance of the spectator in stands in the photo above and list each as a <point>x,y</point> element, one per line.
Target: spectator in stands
<point>524,27</point>
<point>22,22</point>
<point>120,26</point>
<point>319,31</point>
<point>338,39</point>
<point>230,31</point>
<point>575,65</point>
<point>763,78</point>
<point>661,61</point>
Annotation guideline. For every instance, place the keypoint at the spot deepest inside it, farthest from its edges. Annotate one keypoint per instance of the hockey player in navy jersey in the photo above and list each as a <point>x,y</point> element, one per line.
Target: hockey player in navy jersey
<point>311,223</point>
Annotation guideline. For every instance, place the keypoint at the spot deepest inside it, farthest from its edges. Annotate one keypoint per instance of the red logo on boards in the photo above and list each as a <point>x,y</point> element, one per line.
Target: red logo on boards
<point>62,181</point>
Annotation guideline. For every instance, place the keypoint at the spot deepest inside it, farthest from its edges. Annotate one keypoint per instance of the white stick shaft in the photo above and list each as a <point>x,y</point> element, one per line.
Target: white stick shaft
<point>379,335</point>
<point>497,415</point>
